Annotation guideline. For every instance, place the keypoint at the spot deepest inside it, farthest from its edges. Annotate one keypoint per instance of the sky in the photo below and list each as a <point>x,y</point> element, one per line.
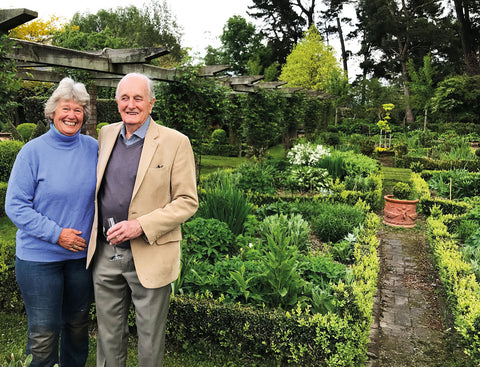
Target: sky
<point>202,21</point>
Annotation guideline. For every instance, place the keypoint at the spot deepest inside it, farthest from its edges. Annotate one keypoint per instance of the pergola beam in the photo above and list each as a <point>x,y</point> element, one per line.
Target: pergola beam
<point>12,18</point>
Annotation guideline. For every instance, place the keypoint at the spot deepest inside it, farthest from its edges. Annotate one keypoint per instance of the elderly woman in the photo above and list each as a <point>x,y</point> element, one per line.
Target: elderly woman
<point>50,198</point>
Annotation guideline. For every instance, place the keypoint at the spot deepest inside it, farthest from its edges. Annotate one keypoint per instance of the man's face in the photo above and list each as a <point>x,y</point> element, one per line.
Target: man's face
<point>133,101</point>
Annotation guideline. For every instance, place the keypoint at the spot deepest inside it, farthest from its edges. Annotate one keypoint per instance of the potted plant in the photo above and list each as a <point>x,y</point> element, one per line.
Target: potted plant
<point>400,207</point>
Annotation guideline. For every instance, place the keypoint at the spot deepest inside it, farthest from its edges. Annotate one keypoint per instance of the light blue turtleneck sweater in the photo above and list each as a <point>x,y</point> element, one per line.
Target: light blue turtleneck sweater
<point>52,186</point>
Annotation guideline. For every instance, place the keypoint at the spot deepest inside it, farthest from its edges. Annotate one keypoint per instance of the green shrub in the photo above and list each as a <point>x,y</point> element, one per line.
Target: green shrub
<point>3,193</point>
<point>39,130</point>
<point>333,222</point>
<point>402,191</point>
<point>207,240</point>
<point>416,167</point>
<point>224,201</point>
<point>219,136</point>
<point>100,125</point>
<point>255,178</point>
<point>25,130</point>
<point>10,296</point>
<point>294,227</point>
<point>8,153</point>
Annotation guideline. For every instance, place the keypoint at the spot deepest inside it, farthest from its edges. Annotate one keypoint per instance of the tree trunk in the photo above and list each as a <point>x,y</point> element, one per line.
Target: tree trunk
<point>342,46</point>
<point>472,65</point>
<point>403,55</point>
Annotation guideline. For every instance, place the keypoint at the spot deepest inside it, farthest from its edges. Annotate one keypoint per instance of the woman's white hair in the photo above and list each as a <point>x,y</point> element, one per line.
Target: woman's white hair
<point>68,90</point>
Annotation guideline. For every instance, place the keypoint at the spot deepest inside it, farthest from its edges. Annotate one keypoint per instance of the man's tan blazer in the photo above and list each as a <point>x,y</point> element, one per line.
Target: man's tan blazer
<point>164,196</point>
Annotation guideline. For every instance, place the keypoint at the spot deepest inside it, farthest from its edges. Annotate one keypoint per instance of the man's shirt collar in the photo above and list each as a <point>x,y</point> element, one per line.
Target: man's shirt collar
<point>139,134</point>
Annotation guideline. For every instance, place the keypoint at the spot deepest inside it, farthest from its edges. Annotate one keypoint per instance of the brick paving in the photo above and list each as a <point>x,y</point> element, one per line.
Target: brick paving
<point>408,328</point>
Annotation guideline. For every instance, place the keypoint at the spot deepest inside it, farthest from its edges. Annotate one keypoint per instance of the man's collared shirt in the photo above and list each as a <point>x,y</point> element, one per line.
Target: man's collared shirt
<point>139,134</point>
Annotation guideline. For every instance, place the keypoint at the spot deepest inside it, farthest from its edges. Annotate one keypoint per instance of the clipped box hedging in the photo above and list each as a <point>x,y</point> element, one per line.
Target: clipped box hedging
<point>447,206</point>
<point>107,111</point>
<point>432,164</point>
<point>8,152</point>
<point>460,284</point>
<point>276,337</point>
<point>3,193</point>
<point>10,297</point>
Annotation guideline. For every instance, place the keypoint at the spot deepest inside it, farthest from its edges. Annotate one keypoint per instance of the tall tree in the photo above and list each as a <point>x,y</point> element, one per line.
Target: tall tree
<point>313,65</point>
<point>399,30</point>
<point>335,20</point>
<point>468,17</point>
<point>422,86</point>
<point>151,26</point>
<point>284,22</point>
<point>242,48</point>
<point>38,30</point>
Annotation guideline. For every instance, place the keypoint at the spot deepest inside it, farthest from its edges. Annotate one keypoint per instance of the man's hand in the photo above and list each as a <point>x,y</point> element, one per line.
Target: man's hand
<point>124,231</point>
<point>70,239</point>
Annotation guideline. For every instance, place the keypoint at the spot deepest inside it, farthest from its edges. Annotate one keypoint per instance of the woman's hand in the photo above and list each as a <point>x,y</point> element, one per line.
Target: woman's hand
<point>70,240</point>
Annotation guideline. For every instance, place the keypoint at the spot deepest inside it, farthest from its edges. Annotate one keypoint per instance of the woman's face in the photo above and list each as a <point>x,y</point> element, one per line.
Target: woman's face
<point>68,117</point>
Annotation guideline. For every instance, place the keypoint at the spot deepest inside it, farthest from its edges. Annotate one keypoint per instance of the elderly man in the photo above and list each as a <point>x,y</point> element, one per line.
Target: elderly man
<point>146,184</point>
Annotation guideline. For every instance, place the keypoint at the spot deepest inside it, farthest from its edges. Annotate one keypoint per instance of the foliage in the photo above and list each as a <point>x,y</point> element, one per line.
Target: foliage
<point>255,177</point>
<point>422,85</point>
<point>263,118</point>
<point>457,99</point>
<point>207,240</point>
<point>25,130</point>
<point>38,30</point>
<point>463,184</point>
<point>308,179</point>
<point>191,105</point>
<point>332,222</point>
<point>281,278</point>
<point>9,83</point>
<point>8,153</point>
<point>154,25</point>
<point>416,167</point>
<point>224,201</point>
<point>402,191</point>
<point>282,225</point>
<point>39,130</point>
<point>241,48</point>
<point>383,124</point>
<point>459,283</point>
<point>312,65</point>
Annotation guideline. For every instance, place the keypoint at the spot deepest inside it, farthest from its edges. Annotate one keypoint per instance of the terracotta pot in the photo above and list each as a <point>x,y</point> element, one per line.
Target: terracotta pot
<point>400,213</point>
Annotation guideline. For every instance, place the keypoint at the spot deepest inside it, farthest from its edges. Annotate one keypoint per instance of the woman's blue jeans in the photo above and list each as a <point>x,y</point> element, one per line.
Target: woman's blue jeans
<point>57,297</point>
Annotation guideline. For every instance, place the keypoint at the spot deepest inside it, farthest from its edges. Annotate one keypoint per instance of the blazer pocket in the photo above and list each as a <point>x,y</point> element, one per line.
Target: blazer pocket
<point>157,178</point>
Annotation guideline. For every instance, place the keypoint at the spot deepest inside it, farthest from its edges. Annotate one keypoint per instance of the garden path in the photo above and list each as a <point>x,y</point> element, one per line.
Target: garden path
<point>411,325</point>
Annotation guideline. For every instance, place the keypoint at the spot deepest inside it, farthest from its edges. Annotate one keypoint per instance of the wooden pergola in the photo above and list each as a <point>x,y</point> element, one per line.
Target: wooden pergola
<point>35,62</point>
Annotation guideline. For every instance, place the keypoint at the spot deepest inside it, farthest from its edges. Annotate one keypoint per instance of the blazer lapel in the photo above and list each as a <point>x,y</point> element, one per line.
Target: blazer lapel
<point>149,147</point>
<point>107,144</point>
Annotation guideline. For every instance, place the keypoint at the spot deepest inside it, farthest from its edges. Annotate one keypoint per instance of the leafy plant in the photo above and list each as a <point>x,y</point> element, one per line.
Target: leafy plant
<point>281,279</point>
<point>402,191</point>
<point>280,226</point>
<point>308,179</point>
<point>416,167</point>
<point>332,222</point>
<point>207,240</point>
<point>225,202</point>
<point>17,360</point>
<point>255,177</point>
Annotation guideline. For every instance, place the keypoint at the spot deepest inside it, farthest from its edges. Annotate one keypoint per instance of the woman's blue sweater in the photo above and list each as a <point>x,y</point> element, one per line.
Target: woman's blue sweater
<point>52,186</point>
